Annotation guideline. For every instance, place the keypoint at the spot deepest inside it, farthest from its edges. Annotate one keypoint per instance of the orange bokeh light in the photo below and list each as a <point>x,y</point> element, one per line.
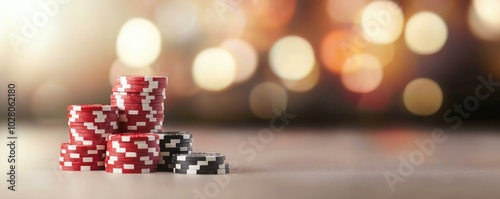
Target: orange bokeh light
<point>335,50</point>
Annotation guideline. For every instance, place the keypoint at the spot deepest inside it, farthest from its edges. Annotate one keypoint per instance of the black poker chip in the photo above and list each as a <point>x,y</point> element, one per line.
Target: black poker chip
<point>177,150</point>
<point>202,172</point>
<point>202,167</point>
<point>200,156</point>
<point>173,145</point>
<point>175,135</point>
<point>170,141</point>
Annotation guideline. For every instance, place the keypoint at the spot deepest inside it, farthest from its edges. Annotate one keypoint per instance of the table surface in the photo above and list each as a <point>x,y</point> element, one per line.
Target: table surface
<point>297,162</point>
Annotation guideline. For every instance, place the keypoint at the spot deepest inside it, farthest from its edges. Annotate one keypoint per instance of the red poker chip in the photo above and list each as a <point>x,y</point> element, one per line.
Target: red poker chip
<point>141,94</point>
<point>89,136</point>
<point>141,78</point>
<point>129,145</point>
<point>113,150</point>
<point>93,120</point>
<point>133,159</point>
<point>82,153</point>
<point>72,147</point>
<point>137,102</point>
<point>131,166</point>
<point>145,109</point>
<point>128,171</point>
<point>145,88</point>
<point>70,164</point>
<point>128,116</point>
<point>135,143</point>
<point>99,131</point>
<point>93,124</point>
<point>93,117</point>
<point>94,128</point>
<point>131,137</point>
<point>82,168</point>
<point>92,107</point>
<point>138,162</point>
<point>160,84</point>
<point>80,139</point>
<point>138,98</point>
<point>138,112</point>
<point>128,104</point>
<point>81,159</point>
<point>138,129</point>
<point>87,142</point>
<point>132,154</point>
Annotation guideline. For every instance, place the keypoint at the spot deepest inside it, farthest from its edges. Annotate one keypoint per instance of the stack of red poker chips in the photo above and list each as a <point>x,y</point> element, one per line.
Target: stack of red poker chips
<point>89,128</point>
<point>140,101</point>
<point>132,153</point>
<point>82,157</point>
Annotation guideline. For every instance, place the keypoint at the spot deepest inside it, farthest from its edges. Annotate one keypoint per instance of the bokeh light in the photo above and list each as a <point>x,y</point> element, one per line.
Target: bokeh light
<point>138,43</point>
<point>214,69</point>
<point>44,106</point>
<point>271,14</point>
<point>423,97</point>
<point>245,56</point>
<point>177,20</point>
<point>484,19</point>
<point>344,11</point>
<point>292,58</point>
<point>426,33</point>
<point>384,53</point>
<point>267,96</point>
<point>362,73</point>
<point>306,84</point>
<point>382,22</point>
<point>335,48</point>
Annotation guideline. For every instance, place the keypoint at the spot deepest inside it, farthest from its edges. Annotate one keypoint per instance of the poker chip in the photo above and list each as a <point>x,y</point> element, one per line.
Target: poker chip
<point>178,145</point>
<point>201,172</point>
<point>152,163</point>
<point>92,131</point>
<point>132,137</point>
<point>129,171</point>
<point>70,164</point>
<point>200,156</point>
<point>87,142</point>
<point>114,150</point>
<point>175,135</point>
<point>140,95</point>
<point>71,147</point>
<point>201,167</point>
<point>80,156</point>
<point>132,159</point>
<point>81,159</point>
<point>92,107</point>
<point>81,168</point>
<point>132,78</point>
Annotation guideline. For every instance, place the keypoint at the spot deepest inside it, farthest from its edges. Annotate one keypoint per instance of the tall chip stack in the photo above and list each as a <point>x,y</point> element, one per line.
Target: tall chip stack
<point>132,153</point>
<point>89,128</point>
<point>173,142</point>
<point>140,101</point>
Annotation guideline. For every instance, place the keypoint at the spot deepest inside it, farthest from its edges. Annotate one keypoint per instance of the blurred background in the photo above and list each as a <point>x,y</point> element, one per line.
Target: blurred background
<point>330,62</point>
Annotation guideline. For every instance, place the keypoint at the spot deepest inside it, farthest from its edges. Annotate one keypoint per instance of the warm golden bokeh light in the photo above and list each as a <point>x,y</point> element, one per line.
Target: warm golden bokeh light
<point>265,97</point>
<point>214,69</point>
<point>292,58</point>
<point>271,14</point>
<point>362,73</point>
<point>426,33</point>
<point>138,43</point>
<point>382,22</point>
<point>423,97</point>
<point>344,11</point>
<point>245,56</point>
<point>305,84</point>
<point>177,20</point>
<point>484,19</point>
<point>384,53</point>
<point>335,48</point>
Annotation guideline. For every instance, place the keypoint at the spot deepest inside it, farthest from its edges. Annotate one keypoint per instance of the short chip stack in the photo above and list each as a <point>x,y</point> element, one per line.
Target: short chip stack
<point>140,100</point>
<point>173,142</point>
<point>89,128</point>
<point>200,163</point>
<point>132,153</point>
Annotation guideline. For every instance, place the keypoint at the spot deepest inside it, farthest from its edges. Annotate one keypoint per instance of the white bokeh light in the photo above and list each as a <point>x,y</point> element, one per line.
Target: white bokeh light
<point>292,58</point>
<point>426,33</point>
<point>138,43</point>
<point>362,73</point>
<point>484,19</point>
<point>214,69</point>
<point>423,97</point>
<point>177,20</point>
<point>382,22</point>
<point>245,56</point>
